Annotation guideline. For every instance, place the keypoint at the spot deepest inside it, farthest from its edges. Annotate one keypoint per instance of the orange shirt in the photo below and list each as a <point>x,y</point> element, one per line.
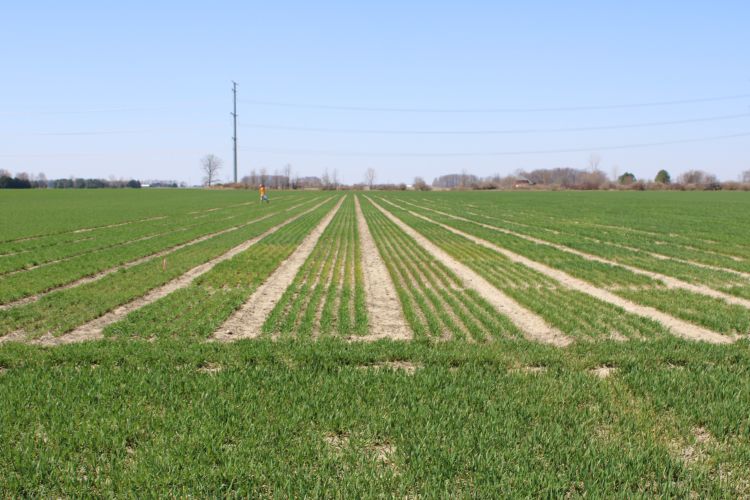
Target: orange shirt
<point>262,190</point>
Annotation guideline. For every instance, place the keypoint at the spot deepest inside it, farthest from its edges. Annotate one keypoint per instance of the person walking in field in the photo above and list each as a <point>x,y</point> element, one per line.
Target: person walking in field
<point>263,194</point>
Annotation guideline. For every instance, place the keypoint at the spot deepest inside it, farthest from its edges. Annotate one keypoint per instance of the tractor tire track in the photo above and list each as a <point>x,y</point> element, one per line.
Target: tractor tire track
<point>532,325</point>
<point>676,326</point>
<point>247,321</point>
<point>669,281</point>
<point>133,263</point>
<point>383,307</point>
<point>93,329</point>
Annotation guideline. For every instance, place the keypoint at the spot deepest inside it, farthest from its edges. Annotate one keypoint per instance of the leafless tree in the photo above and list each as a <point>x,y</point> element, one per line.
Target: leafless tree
<point>594,160</point>
<point>5,173</point>
<point>23,176</point>
<point>697,177</point>
<point>746,176</point>
<point>421,185</point>
<point>335,179</point>
<point>370,178</point>
<point>287,176</point>
<point>211,165</point>
<point>325,180</point>
<point>263,176</point>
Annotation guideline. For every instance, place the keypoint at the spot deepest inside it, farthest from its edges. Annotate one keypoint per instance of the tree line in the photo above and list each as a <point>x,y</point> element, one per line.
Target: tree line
<point>23,180</point>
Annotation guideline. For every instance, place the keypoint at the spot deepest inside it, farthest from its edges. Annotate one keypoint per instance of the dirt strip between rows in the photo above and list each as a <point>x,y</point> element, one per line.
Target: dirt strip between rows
<point>248,320</point>
<point>669,281</point>
<point>93,329</point>
<point>383,306</point>
<point>676,326</point>
<point>133,263</point>
<point>655,255</point>
<point>532,325</point>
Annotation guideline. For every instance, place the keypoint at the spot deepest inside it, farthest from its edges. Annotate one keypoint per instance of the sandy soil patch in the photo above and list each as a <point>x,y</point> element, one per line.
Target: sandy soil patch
<point>677,326</point>
<point>409,367</point>
<point>210,368</point>
<point>530,324</point>
<point>529,370</point>
<point>696,451</point>
<point>93,329</point>
<point>16,336</point>
<point>603,371</point>
<point>248,320</point>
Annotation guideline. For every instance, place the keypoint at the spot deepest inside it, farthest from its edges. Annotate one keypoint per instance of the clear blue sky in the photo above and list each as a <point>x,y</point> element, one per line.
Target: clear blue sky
<point>134,89</point>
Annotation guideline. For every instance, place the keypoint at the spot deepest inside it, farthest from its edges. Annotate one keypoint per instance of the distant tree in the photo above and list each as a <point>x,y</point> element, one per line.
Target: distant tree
<point>697,177</point>
<point>663,177</point>
<point>627,178</point>
<point>132,183</point>
<point>370,177</point>
<point>325,180</point>
<point>287,176</point>
<point>5,173</point>
<point>211,164</point>
<point>746,176</point>
<point>421,185</point>
<point>594,160</point>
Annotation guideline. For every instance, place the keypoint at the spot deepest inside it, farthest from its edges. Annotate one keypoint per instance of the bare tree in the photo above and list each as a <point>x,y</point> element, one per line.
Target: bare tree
<point>594,160</point>
<point>746,176</point>
<point>325,180</point>
<point>370,178</point>
<point>263,176</point>
<point>421,185</point>
<point>287,176</point>
<point>5,173</point>
<point>211,165</point>
<point>335,179</point>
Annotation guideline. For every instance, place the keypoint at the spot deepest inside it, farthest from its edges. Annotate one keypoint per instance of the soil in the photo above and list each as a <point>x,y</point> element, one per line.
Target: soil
<point>532,325</point>
<point>603,371</point>
<point>677,326</point>
<point>247,321</point>
<point>127,265</point>
<point>383,306</point>
<point>93,329</point>
<point>669,281</point>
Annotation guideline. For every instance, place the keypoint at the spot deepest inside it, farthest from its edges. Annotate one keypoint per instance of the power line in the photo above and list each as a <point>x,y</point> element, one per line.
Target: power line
<point>234,137</point>
<point>491,132</point>
<point>495,110</point>
<point>501,153</point>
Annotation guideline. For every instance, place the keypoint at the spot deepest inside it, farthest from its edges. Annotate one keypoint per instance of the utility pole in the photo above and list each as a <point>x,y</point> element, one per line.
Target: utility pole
<point>234,137</point>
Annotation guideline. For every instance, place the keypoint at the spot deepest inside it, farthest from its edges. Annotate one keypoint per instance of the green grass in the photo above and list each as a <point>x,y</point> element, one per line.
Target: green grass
<point>468,409</point>
<point>300,418</point>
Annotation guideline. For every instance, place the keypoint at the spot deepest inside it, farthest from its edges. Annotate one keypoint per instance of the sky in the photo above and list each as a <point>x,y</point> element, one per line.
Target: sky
<point>410,88</point>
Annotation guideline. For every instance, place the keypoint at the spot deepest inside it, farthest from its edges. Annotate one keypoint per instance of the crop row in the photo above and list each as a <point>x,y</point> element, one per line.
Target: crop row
<point>40,215</point>
<point>716,278</point>
<point>61,311</point>
<point>675,234</point>
<point>434,300</point>
<point>327,295</point>
<point>60,247</point>
<point>574,313</point>
<point>198,310</point>
<point>42,279</point>
<point>707,311</point>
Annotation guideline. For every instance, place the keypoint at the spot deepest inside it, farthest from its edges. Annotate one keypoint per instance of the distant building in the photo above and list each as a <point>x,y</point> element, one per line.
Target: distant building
<point>522,183</point>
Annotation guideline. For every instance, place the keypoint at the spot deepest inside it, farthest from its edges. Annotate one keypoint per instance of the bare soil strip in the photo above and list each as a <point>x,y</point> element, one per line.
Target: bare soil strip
<point>532,325</point>
<point>93,329</point>
<point>667,280</point>
<point>248,320</point>
<point>383,307</point>
<point>127,265</point>
<point>676,326</point>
